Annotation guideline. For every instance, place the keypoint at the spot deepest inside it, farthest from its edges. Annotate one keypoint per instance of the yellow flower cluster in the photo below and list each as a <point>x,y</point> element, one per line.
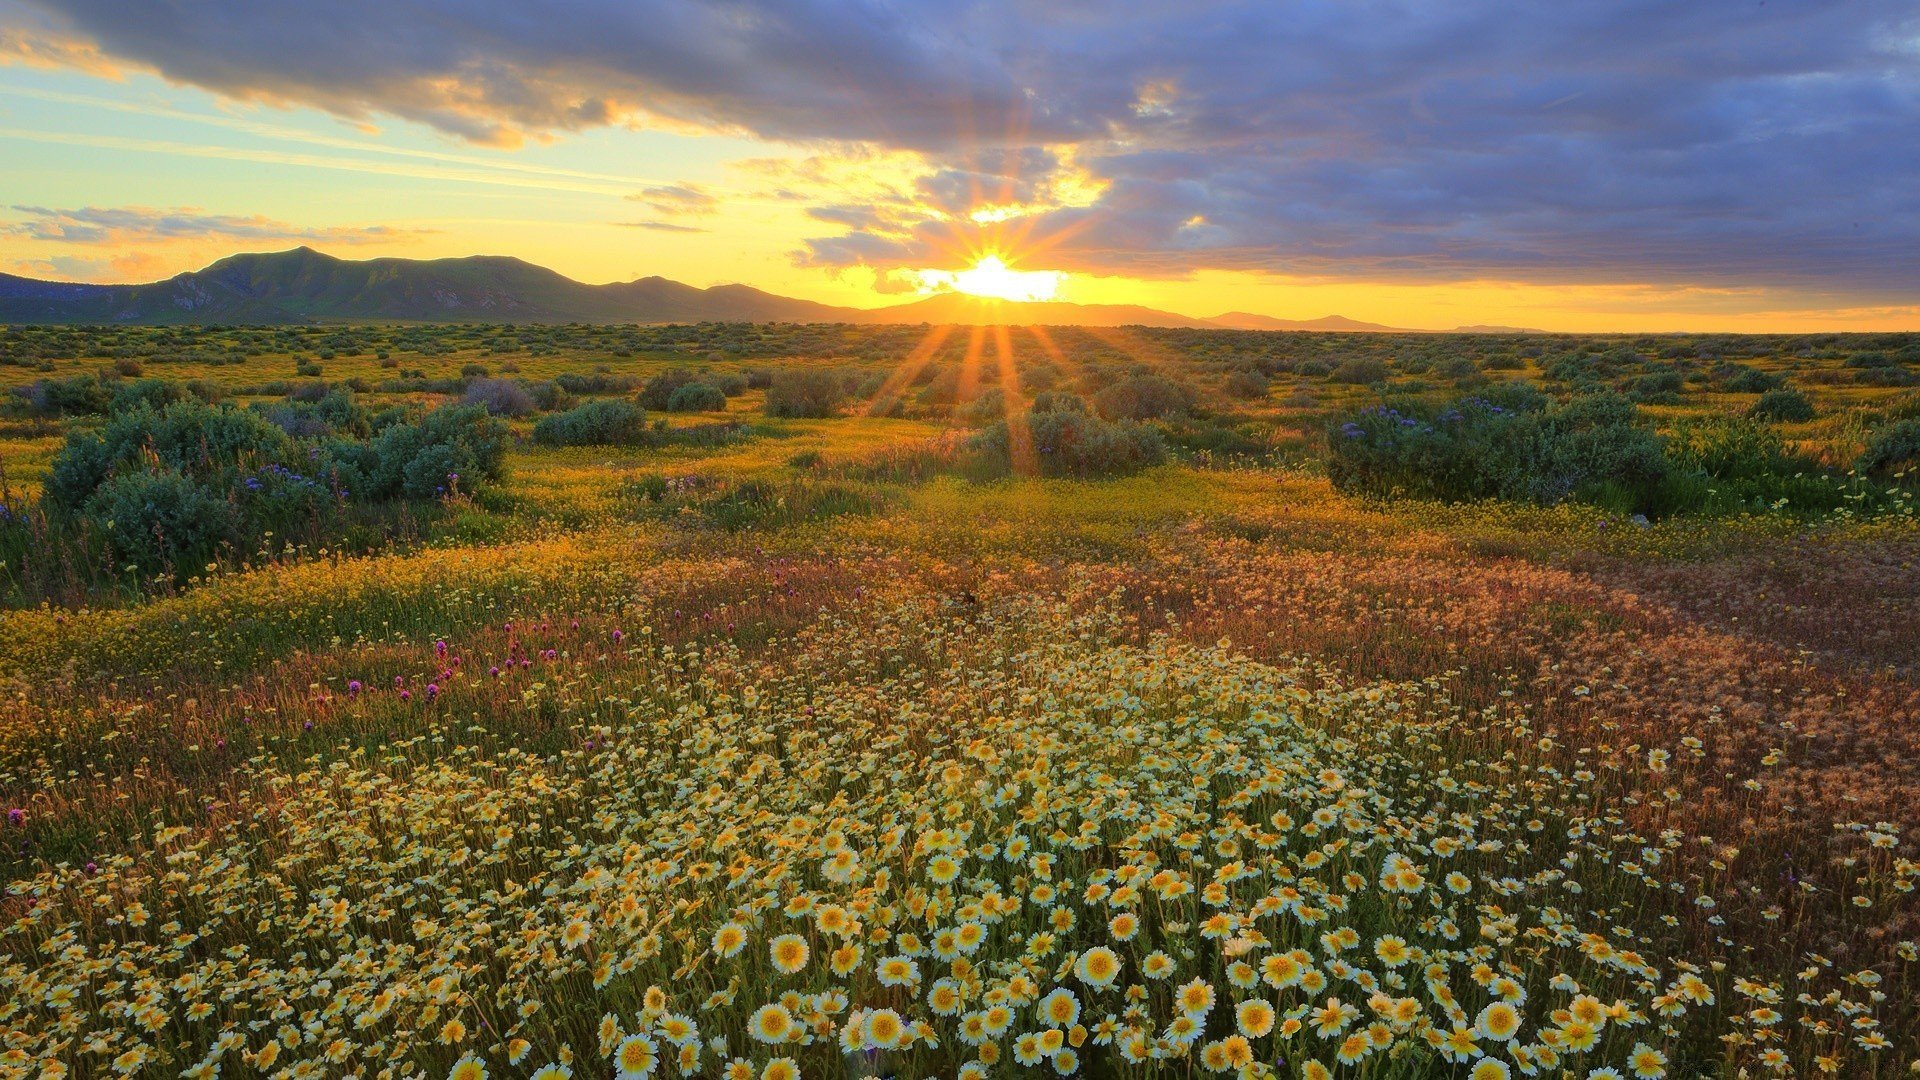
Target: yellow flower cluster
<point>927,839</point>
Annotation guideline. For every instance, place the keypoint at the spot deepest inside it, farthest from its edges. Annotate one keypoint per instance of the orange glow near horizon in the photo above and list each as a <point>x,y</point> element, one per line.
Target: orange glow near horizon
<point>991,278</point>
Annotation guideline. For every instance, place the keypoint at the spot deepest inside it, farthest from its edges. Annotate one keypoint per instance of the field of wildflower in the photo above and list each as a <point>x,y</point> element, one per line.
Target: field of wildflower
<point>875,741</point>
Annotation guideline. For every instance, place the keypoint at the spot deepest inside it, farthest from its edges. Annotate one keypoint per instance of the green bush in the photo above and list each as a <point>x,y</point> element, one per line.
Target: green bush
<point>152,393</point>
<point>574,383</point>
<point>1143,397</point>
<point>1245,383</point>
<point>1052,401</point>
<point>659,391</point>
<point>604,422</point>
<point>190,437</point>
<point>80,395</point>
<point>1893,448</point>
<point>1784,404</point>
<point>1741,379</point>
<point>989,405</point>
<point>1360,371</point>
<point>697,397</point>
<point>804,393</point>
<point>1519,396</point>
<point>451,448</point>
<point>174,488</point>
<point>158,520</point>
<point>500,397</point>
<point>1887,375</point>
<point>1657,387</point>
<point>1067,443</point>
<point>1594,446</point>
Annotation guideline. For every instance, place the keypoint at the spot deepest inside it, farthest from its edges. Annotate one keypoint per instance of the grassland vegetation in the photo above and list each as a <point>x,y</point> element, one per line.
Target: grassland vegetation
<point>928,701</point>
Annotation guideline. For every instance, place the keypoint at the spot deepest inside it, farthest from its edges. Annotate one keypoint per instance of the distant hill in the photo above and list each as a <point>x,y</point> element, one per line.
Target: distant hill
<point>304,286</point>
<point>1242,320</point>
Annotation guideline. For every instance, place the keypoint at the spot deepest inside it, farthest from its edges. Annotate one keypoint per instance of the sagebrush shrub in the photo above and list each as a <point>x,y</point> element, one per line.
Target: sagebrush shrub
<point>1783,404</point>
<point>1894,448</point>
<point>805,393</point>
<point>604,422</point>
<point>697,397</point>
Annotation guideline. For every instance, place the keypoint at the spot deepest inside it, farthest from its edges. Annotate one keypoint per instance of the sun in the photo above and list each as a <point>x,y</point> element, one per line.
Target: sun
<point>990,277</point>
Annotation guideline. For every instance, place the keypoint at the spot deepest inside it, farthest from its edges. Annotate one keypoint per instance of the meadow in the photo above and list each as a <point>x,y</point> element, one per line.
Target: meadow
<point>779,701</point>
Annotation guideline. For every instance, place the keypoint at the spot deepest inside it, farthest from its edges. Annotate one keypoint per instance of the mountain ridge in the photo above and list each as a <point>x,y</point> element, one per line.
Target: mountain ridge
<point>302,285</point>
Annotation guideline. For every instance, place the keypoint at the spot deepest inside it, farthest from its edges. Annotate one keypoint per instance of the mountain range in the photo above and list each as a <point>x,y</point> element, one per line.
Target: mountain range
<point>305,286</point>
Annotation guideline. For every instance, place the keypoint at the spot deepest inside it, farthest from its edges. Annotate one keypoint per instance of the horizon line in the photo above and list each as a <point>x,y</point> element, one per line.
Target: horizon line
<point>1370,327</point>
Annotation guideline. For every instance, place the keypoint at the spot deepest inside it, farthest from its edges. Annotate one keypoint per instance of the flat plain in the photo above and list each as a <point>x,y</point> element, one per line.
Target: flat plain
<point>782,700</point>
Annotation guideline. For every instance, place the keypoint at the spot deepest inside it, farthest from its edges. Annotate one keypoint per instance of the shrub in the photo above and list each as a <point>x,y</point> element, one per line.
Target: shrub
<point>1143,397</point>
<point>659,391</point>
<point>161,520</point>
<point>942,386</point>
<point>605,422</point>
<point>550,396</point>
<point>152,393</point>
<point>697,397</point>
<point>452,446</point>
<point>1893,448</point>
<point>1521,397</point>
<point>1057,401</point>
<point>1067,443</point>
<point>189,437</point>
<point>1784,404</point>
<point>1740,379</point>
<point>1888,375</point>
<point>804,392</point>
<point>574,383</point>
<point>984,409</point>
<point>1593,441</point>
<point>1657,387</point>
<point>333,413</point>
<point>1360,371</point>
<point>79,395</point>
<point>1245,383</point>
<point>500,397</point>
<point>1594,446</point>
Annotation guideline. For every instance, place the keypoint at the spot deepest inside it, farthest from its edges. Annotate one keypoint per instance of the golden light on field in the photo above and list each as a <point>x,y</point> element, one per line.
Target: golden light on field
<point>990,277</point>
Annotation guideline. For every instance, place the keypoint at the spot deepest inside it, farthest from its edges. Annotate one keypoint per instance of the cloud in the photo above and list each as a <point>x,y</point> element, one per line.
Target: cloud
<point>660,226</point>
<point>1701,142</point>
<point>125,225</point>
<point>679,199</point>
<point>30,43</point>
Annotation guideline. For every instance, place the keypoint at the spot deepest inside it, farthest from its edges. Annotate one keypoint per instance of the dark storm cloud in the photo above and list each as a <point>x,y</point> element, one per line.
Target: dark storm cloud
<point>1696,141</point>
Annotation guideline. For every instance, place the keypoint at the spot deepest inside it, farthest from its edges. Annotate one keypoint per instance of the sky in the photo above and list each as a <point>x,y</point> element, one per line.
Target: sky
<point>1602,165</point>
